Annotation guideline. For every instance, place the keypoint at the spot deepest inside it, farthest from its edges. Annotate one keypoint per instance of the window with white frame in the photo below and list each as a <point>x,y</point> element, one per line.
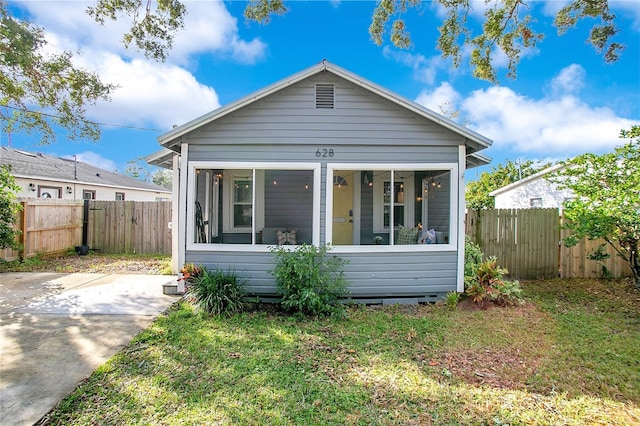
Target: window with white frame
<point>253,205</point>
<point>392,206</point>
<point>535,202</point>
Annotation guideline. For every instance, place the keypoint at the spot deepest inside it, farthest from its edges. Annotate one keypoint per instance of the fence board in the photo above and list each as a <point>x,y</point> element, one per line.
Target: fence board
<point>130,227</point>
<point>528,243</point>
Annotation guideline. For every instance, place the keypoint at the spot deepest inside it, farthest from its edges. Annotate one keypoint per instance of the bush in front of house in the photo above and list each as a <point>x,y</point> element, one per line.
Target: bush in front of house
<point>216,292</point>
<point>484,279</point>
<point>309,281</point>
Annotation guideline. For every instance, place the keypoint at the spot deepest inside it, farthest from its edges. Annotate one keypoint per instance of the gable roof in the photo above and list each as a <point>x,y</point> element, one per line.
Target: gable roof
<point>528,179</point>
<point>474,141</point>
<point>39,166</point>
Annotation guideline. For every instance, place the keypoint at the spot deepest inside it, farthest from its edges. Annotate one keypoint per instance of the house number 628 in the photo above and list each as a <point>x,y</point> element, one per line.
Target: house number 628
<point>324,152</point>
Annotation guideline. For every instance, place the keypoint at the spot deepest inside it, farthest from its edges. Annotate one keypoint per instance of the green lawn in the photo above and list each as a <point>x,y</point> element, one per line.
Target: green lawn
<point>571,355</point>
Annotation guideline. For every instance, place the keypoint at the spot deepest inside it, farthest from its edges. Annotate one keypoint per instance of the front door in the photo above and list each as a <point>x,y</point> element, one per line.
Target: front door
<point>343,208</point>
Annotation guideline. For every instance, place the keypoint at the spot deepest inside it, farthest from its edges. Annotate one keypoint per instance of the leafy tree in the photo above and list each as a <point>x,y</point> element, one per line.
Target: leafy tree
<point>9,208</point>
<point>163,177</point>
<point>507,25</point>
<point>477,192</point>
<point>139,169</point>
<point>31,79</point>
<point>607,203</point>
<point>135,169</point>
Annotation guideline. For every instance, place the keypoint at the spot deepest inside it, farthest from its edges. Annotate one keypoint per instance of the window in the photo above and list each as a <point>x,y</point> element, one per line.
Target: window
<point>88,194</point>
<point>119,196</point>
<point>373,207</point>
<point>250,205</point>
<point>535,202</point>
<point>49,192</point>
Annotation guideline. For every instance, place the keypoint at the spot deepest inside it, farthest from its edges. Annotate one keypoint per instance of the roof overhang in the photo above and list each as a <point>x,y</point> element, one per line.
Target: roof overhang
<point>163,158</point>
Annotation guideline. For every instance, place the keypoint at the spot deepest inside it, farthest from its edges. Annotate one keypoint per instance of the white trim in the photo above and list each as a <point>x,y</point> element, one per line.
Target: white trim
<point>82,182</point>
<point>182,201</point>
<point>460,223</point>
<point>258,222</point>
<point>176,229</point>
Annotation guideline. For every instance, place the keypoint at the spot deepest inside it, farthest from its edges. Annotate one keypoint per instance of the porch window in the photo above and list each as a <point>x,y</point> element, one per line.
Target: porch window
<point>253,205</point>
<point>392,206</point>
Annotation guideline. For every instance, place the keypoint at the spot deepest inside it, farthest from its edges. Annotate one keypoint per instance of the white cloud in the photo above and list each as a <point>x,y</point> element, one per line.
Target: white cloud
<point>443,99</point>
<point>160,95</point>
<point>424,69</point>
<point>569,80</point>
<point>94,159</point>
<point>209,28</point>
<point>547,126</point>
<point>554,126</point>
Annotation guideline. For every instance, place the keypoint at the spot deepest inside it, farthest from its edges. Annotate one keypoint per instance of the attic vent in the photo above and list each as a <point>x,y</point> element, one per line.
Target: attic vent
<point>324,96</point>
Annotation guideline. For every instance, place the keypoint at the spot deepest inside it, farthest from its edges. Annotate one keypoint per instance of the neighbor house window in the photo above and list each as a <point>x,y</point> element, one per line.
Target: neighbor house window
<point>254,206</point>
<point>391,207</point>
<point>535,202</point>
<point>119,196</point>
<point>88,194</point>
<point>49,192</point>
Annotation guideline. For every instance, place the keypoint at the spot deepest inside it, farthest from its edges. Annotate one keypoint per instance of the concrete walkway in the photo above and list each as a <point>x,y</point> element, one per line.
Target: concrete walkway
<point>56,329</point>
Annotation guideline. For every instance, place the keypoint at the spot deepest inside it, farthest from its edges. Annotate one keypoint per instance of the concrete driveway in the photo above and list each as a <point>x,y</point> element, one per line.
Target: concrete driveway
<point>56,329</point>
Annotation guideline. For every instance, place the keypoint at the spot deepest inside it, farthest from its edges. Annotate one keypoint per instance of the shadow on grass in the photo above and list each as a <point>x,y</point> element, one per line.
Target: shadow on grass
<point>397,365</point>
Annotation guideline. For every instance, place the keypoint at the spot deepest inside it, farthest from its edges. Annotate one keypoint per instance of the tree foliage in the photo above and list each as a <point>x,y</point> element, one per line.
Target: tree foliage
<point>139,169</point>
<point>9,207</point>
<point>477,192</point>
<point>506,25</point>
<point>39,90</point>
<point>607,203</point>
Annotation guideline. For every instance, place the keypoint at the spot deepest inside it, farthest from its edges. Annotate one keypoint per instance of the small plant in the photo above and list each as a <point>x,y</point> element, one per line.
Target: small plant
<point>216,292</point>
<point>452,298</point>
<point>309,281</point>
<point>189,272</point>
<point>378,239</point>
<point>488,284</point>
<point>599,255</point>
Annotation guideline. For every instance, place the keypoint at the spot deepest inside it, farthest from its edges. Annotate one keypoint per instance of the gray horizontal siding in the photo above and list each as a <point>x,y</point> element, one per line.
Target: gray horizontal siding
<point>371,275</point>
<point>289,117</point>
<point>341,153</point>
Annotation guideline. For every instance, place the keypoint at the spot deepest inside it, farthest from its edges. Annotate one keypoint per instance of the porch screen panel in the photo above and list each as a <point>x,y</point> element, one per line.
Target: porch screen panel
<point>288,207</point>
<point>390,207</point>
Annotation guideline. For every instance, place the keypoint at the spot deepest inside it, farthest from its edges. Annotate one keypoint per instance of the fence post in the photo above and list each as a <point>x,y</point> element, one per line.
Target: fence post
<point>23,231</point>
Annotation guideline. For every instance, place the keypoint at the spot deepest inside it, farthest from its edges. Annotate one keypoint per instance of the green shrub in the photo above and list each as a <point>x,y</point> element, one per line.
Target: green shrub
<point>216,292</point>
<point>309,281</point>
<point>452,298</point>
<point>484,280</point>
<point>488,284</point>
<point>472,256</point>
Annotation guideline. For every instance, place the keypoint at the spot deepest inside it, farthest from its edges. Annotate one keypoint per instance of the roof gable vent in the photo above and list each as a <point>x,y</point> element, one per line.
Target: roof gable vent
<point>324,96</point>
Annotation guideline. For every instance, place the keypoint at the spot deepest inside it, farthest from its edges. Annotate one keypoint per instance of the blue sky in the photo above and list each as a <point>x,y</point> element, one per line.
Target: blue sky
<point>565,100</point>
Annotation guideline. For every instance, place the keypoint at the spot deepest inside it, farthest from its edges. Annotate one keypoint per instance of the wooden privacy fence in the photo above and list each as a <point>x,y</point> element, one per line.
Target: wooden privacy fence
<point>130,227</point>
<point>528,242</point>
<point>46,227</point>
<point>56,226</point>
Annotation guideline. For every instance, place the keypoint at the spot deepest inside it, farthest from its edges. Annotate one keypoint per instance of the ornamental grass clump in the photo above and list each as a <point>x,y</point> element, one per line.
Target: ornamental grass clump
<point>216,292</point>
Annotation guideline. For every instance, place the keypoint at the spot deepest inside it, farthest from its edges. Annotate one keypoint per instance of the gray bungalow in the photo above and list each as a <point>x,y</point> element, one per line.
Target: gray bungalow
<point>325,157</point>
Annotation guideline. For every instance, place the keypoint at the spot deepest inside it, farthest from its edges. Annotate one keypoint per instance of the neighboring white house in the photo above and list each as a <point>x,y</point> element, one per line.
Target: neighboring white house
<point>532,192</point>
<point>44,176</point>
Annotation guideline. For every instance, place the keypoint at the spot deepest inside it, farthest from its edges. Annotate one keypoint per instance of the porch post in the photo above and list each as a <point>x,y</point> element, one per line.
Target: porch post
<point>462,166</point>
<point>181,229</point>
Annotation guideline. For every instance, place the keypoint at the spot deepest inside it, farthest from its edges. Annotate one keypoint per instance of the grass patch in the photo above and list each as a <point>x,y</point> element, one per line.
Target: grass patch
<point>93,262</point>
<point>558,359</point>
